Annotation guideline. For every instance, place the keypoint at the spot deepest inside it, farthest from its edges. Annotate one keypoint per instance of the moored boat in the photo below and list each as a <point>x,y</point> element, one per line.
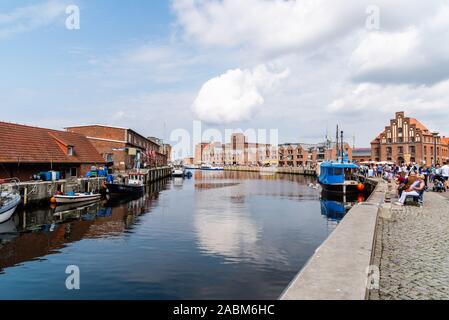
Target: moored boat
<point>76,197</point>
<point>134,185</point>
<point>8,205</point>
<point>337,177</point>
<point>9,198</point>
<point>178,172</point>
<point>211,167</point>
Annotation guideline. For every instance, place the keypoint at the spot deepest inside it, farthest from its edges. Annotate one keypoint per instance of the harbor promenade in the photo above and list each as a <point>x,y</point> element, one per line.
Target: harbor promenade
<point>339,269</point>
<point>412,250</point>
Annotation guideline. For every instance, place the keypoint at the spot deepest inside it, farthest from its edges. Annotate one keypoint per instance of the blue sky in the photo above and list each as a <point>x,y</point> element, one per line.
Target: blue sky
<point>299,66</point>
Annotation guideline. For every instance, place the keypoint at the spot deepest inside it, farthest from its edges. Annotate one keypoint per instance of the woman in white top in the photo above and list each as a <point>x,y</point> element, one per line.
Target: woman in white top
<point>413,190</point>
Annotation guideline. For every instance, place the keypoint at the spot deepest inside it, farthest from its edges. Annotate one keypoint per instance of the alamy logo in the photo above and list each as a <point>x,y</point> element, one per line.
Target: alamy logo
<point>73,21</point>
<point>73,280</point>
<point>373,19</point>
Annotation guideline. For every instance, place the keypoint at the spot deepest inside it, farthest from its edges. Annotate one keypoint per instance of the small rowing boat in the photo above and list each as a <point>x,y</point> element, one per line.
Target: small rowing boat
<point>76,197</point>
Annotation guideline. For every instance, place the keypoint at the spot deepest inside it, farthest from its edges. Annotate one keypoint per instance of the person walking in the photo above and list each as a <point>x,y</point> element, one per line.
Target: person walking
<point>370,172</point>
<point>445,174</point>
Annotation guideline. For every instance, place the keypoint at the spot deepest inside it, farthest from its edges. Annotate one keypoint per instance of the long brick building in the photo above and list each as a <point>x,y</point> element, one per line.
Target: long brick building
<point>236,152</point>
<point>120,146</point>
<point>26,151</point>
<point>407,140</point>
<point>308,155</point>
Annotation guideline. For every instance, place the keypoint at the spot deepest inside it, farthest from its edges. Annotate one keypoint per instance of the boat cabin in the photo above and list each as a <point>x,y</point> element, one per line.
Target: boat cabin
<point>136,179</point>
<point>336,173</point>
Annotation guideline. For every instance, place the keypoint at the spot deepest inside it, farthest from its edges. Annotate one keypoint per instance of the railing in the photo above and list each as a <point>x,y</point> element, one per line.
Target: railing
<point>9,186</point>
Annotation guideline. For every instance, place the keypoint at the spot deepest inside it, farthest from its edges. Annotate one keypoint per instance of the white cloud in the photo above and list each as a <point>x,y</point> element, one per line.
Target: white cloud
<point>407,55</point>
<point>384,99</point>
<point>31,17</point>
<point>271,26</point>
<point>235,95</point>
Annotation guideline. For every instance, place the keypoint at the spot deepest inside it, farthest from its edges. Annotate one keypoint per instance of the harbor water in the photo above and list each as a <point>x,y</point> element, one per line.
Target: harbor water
<point>218,235</point>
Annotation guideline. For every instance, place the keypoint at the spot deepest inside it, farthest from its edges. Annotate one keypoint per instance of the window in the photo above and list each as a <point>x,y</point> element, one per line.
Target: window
<point>338,172</point>
<point>72,172</point>
<point>109,157</point>
<point>70,151</point>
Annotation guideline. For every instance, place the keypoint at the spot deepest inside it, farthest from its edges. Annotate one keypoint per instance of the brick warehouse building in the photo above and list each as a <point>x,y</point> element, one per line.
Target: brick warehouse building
<point>119,146</point>
<point>361,155</point>
<point>407,140</point>
<point>308,155</point>
<point>26,150</point>
<point>237,152</point>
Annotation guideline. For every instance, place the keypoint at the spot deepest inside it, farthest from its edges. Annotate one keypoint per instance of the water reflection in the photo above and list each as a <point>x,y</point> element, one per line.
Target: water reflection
<point>224,219</point>
<point>37,232</point>
<point>334,207</point>
<point>201,238</point>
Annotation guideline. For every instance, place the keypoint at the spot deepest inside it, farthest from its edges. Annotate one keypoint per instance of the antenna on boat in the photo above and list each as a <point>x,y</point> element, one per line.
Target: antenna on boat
<point>337,145</point>
<point>342,148</point>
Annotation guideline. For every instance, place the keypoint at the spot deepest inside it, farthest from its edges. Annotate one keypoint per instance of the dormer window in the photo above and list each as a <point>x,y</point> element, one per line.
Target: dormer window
<point>70,151</point>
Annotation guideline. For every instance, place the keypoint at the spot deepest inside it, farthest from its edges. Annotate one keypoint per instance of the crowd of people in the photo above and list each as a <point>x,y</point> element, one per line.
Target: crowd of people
<point>412,179</point>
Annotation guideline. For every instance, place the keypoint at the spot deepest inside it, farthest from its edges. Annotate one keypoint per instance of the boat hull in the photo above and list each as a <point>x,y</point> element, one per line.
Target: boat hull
<point>178,173</point>
<point>8,209</point>
<point>340,189</point>
<point>77,199</point>
<point>123,189</point>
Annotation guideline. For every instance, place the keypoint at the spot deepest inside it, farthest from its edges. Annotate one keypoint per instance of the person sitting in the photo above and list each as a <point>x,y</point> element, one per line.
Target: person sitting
<point>415,190</point>
<point>402,184</point>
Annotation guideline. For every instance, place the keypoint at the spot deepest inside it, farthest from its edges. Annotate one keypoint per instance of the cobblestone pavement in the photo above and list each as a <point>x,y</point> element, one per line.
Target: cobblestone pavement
<point>414,253</point>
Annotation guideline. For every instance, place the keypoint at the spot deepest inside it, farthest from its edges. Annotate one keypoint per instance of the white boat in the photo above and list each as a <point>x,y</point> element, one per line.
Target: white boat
<point>8,205</point>
<point>77,197</point>
<point>178,172</point>
<point>211,167</point>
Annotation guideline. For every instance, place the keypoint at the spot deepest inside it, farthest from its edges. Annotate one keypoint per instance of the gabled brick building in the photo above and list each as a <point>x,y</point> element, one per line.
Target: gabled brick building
<point>407,140</point>
<point>120,146</point>
<point>26,150</point>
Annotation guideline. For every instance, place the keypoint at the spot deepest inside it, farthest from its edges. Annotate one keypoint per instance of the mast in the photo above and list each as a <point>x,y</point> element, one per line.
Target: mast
<point>342,148</point>
<point>337,148</point>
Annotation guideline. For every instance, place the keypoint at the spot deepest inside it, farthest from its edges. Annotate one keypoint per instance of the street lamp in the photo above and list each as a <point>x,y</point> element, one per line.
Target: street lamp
<point>435,136</point>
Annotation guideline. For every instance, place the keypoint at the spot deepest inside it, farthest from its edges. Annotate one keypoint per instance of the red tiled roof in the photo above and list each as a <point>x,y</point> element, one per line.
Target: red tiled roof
<point>445,140</point>
<point>20,143</point>
<point>418,124</point>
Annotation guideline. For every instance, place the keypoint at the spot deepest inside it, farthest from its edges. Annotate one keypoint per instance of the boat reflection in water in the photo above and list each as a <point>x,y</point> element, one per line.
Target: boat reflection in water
<point>34,234</point>
<point>334,207</point>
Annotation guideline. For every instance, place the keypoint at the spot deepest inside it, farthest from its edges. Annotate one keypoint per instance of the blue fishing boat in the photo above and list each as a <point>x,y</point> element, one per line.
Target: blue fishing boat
<point>338,176</point>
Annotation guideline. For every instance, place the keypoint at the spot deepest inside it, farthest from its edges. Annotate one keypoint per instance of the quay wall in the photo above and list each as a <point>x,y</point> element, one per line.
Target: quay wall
<point>35,192</point>
<point>283,170</point>
<point>339,269</point>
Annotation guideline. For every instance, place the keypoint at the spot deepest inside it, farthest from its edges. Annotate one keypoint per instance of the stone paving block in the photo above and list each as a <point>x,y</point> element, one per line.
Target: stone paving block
<point>414,261</point>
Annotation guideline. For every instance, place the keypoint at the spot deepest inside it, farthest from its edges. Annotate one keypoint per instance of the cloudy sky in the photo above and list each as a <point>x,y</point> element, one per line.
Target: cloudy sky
<point>298,66</point>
